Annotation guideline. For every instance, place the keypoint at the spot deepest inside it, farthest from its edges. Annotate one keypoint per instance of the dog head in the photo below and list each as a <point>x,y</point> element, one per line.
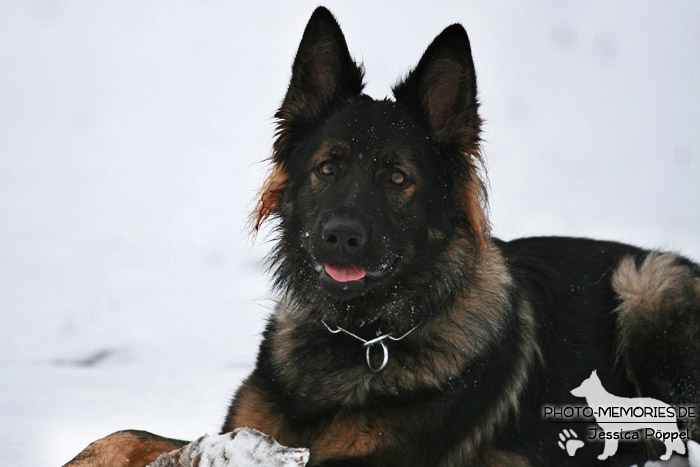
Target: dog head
<point>590,387</point>
<point>370,193</point>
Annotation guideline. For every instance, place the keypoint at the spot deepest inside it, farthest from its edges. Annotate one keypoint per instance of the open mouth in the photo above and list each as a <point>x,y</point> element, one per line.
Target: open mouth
<point>346,280</point>
<point>340,272</point>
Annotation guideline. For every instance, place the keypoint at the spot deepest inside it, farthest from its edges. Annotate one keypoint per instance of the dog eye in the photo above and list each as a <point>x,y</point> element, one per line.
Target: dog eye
<point>327,168</point>
<point>398,178</point>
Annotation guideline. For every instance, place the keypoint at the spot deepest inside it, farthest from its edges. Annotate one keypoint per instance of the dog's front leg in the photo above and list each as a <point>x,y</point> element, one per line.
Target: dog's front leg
<point>610,448</point>
<point>128,448</point>
<point>253,407</point>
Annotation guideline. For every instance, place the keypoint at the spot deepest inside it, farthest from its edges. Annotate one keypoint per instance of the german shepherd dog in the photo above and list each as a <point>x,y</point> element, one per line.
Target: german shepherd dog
<point>405,334</point>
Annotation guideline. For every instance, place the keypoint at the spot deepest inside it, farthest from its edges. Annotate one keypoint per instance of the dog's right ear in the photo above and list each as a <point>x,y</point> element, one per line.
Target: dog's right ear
<point>324,77</point>
<point>442,88</point>
<point>323,73</point>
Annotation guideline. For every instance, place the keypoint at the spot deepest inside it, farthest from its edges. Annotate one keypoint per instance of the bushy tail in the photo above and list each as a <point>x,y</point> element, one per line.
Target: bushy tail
<point>659,328</point>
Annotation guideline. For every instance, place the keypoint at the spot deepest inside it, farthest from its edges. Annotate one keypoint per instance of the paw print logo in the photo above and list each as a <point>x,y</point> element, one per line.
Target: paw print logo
<point>569,442</point>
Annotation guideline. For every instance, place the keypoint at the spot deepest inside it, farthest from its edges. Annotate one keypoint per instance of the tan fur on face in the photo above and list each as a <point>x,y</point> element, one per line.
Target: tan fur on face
<point>473,197</point>
<point>474,201</point>
<point>270,196</point>
<point>329,150</point>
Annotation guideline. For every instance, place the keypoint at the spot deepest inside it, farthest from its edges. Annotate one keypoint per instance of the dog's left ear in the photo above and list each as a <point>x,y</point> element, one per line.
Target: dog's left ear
<point>442,88</point>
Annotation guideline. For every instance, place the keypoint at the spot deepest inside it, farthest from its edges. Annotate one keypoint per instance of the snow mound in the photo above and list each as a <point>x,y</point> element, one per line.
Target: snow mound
<point>693,459</point>
<point>693,454</point>
<point>244,447</point>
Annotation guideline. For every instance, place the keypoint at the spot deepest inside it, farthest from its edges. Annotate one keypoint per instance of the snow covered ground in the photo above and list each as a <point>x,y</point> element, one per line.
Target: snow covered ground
<point>244,447</point>
<point>130,135</point>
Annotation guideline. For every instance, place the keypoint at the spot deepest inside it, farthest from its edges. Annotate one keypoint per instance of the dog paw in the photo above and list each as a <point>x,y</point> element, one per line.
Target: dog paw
<point>569,442</point>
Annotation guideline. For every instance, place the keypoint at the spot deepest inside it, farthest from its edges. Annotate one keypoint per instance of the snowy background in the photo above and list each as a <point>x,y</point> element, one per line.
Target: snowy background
<point>130,139</point>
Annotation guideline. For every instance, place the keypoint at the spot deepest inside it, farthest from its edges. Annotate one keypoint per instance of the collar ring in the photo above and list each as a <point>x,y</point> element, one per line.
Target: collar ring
<point>385,354</point>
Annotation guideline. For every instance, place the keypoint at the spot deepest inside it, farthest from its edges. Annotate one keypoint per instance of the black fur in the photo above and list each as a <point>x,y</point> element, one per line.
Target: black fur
<point>391,190</point>
<point>382,228</point>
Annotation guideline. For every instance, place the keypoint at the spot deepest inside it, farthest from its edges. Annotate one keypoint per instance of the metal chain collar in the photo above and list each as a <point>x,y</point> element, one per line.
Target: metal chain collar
<point>368,344</point>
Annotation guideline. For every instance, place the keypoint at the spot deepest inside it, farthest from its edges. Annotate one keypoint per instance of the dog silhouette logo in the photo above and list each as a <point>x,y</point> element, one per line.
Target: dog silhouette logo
<point>615,415</point>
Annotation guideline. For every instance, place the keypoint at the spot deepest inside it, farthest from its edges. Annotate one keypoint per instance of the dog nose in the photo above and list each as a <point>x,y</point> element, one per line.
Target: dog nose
<point>344,235</point>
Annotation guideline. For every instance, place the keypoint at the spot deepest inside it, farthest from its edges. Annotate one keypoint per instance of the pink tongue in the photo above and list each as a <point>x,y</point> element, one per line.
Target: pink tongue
<point>345,272</point>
